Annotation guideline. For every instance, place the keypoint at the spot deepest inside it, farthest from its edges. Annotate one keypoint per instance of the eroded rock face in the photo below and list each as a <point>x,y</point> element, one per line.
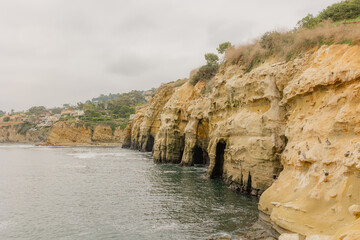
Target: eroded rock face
<point>11,135</point>
<point>321,176</point>
<point>300,118</point>
<point>170,140</point>
<point>143,128</point>
<point>238,129</point>
<point>71,134</point>
<point>246,128</point>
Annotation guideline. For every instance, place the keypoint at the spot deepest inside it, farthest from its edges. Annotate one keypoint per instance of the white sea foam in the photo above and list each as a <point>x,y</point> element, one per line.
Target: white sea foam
<point>16,146</point>
<point>5,225</point>
<point>86,155</point>
<point>166,226</point>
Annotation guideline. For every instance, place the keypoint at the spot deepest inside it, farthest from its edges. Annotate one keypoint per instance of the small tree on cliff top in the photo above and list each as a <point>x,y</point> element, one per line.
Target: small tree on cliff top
<point>223,47</point>
<point>211,58</point>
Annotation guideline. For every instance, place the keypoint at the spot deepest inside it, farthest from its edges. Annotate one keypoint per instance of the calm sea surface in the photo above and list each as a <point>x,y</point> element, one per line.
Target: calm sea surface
<point>112,193</point>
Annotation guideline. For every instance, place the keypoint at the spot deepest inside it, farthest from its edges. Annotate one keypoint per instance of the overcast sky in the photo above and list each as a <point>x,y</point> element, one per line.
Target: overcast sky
<point>65,51</point>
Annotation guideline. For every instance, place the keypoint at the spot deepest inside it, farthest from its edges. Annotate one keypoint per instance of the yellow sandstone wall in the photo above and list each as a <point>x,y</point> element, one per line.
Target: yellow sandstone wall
<point>319,189</point>
<point>72,134</point>
<point>290,129</point>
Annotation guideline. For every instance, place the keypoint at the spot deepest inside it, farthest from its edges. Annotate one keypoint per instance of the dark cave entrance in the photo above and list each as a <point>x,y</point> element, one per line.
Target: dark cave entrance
<point>219,160</point>
<point>198,156</point>
<point>150,144</point>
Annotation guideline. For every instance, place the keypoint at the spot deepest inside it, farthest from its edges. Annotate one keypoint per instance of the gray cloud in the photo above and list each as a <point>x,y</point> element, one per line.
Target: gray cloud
<point>130,65</point>
<point>66,51</point>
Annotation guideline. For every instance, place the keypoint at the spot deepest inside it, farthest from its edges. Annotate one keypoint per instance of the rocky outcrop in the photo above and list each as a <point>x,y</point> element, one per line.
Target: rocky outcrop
<point>300,118</point>
<point>74,134</point>
<point>12,134</point>
<point>321,176</point>
<point>142,129</point>
<point>170,140</point>
<point>246,128</point>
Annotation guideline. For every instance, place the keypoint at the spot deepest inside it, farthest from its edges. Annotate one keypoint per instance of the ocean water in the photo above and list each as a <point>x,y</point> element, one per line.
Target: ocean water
<point>112,193</point>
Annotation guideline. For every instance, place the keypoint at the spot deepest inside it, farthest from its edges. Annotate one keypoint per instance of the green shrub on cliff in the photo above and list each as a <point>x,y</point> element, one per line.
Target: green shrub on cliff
<point>25,127</point>
<point>207,71</point>
<point>211,59</point>
<point>341,11</point>
<point>223,47</point>
<point>344,10</point>
<point>92,113</point>
<point>204,73</point>
<point>123,111</point>
<point>308,22</point>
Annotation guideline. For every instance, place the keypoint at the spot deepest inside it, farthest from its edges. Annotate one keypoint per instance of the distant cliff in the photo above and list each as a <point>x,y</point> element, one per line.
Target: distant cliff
<point>17,134</point>
<point>291,129</point>
<point>75,134</point>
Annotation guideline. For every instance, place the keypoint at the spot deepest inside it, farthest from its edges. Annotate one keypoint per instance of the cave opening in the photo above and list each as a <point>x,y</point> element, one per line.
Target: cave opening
<point>150,144</point>
<point>219,160</point>
<point>198,156</point>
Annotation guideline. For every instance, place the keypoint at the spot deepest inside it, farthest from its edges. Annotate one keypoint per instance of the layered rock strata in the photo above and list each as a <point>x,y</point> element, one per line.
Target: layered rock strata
<point>73,134</point>
<point>300,118</point>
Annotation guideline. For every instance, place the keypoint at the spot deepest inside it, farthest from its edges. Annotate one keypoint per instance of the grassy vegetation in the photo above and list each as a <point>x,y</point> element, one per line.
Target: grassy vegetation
<point>288,45</point>
<point>311,32</point>
<point>348,10</point>
<point>348,21</point>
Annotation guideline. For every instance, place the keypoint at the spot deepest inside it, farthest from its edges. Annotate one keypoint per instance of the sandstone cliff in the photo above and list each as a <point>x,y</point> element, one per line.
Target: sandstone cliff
<point>319,189</point>
<point>11,134</point>
<point>300,118</point>
<point>142,130</point>
<point>73,134</point>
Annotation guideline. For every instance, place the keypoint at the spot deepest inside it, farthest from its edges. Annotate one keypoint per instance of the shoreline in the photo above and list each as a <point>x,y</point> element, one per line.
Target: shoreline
<point>62,145</point>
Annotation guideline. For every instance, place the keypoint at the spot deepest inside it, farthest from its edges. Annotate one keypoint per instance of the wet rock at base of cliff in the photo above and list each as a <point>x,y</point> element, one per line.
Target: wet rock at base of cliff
<point>261,230</point>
